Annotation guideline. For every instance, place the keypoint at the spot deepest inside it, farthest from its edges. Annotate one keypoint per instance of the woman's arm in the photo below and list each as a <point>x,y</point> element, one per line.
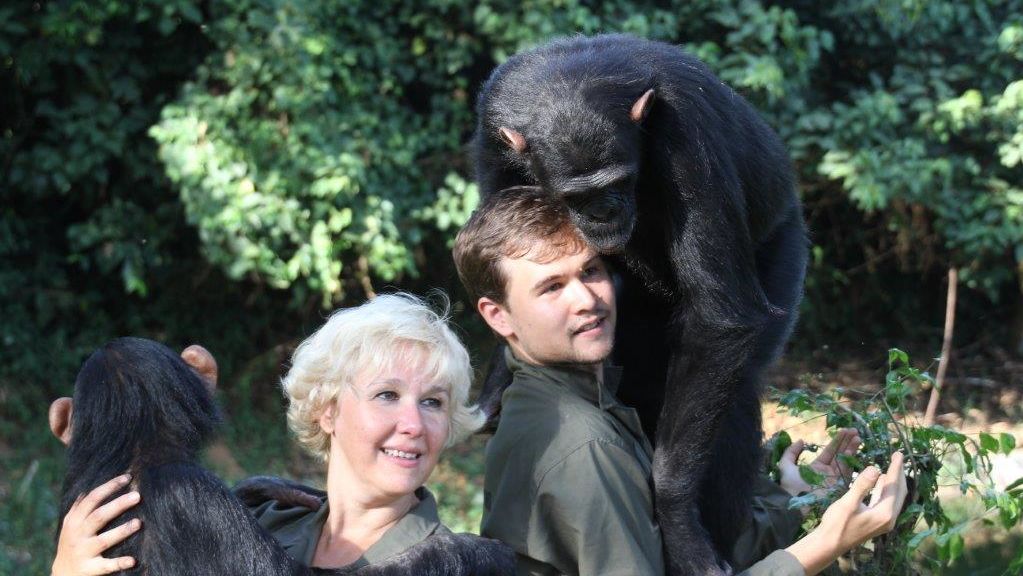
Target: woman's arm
<point>80,547</point>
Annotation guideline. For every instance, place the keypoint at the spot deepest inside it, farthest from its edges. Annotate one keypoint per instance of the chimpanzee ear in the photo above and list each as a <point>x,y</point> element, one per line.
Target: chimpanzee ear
<point>642,106</point>
<point>515,140</point>
<point>203,363</point>
<point>60,419</point>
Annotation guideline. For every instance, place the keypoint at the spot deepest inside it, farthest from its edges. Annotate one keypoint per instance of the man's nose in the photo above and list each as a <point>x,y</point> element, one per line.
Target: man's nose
<point>583,297</point>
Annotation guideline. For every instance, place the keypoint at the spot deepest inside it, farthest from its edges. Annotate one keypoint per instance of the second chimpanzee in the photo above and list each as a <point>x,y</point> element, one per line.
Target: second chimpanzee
<point>139,408</point>
<point>677,178</point>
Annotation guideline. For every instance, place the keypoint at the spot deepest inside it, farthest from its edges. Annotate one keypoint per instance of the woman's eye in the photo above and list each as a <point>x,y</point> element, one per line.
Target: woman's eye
<point>387,395</point>
<point>433,403</point>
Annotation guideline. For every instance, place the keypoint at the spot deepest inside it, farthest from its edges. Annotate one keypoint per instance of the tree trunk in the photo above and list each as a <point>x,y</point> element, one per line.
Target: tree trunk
<point>946,347</point>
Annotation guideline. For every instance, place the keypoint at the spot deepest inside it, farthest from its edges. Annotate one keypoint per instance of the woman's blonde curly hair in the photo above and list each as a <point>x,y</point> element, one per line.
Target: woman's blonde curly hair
<point>389,330</point>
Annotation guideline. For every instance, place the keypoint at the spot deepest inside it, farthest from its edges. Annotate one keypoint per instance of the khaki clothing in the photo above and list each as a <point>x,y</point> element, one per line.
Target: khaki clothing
<point>568,486</point>
<point>298,528</point>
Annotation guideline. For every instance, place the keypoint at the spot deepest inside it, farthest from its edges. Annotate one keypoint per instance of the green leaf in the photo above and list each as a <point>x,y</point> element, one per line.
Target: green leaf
<point>988,442</point>
<point>955,547</point>
<point>1017,485</point>
<point>1007,442</point>
<point>811,476</point>
<point>897,356</point>
<point>967,459</point>
<point>917,538</point>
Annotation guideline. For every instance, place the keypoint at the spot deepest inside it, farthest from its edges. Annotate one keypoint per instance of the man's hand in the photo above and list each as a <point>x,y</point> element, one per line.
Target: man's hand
<point>828,462</point>
<point>849,522</point>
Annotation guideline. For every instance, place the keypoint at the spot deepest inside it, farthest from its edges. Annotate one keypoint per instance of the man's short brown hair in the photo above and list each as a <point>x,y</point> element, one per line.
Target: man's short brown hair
<point>512,223</point>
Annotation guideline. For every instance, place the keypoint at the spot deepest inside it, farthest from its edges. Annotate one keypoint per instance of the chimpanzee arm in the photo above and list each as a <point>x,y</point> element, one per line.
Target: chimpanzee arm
<point>258,490</point>
<point>497,380</point>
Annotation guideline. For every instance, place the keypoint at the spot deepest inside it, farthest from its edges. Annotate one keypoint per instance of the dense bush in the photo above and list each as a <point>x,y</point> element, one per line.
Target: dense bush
<point>316,149</point>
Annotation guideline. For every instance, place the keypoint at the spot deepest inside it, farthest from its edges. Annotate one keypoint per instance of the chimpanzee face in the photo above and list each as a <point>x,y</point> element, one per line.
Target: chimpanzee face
<point>598,186</point>
<point>591,159</point>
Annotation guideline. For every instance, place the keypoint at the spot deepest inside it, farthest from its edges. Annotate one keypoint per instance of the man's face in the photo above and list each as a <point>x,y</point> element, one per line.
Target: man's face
<point>560,312</point>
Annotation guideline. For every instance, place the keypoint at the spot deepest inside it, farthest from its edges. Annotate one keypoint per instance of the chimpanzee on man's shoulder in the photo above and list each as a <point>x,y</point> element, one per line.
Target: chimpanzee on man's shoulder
<point>677,179</point>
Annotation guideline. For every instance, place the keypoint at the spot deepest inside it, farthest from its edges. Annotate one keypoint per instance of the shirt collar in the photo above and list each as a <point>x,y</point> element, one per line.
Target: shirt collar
<point>418,523</point>
<point>581,381</point>
<point>421,521</point>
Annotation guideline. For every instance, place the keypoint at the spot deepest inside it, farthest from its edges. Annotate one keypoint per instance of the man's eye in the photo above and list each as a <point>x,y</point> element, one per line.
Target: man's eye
<point>552,288</point>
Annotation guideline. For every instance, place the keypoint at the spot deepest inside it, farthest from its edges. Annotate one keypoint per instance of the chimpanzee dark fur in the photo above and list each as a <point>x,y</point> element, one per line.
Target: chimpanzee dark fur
<point>139,408</point>
<point>679,180</point>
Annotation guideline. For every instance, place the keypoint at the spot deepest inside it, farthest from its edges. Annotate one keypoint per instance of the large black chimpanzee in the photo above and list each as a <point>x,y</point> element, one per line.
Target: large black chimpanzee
<point>679,181</point>
<point>140,408</point>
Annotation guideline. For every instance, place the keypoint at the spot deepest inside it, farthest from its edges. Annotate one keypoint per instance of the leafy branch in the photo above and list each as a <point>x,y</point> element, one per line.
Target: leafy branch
<point>936,456</point>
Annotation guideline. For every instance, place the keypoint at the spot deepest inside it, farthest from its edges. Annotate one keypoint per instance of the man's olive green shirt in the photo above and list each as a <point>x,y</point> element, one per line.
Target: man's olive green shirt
<point>298,528</point>
<point>568,483</point>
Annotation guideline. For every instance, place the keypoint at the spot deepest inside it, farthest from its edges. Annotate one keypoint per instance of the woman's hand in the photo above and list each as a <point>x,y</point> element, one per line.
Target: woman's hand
<point>80,548</point>
<point>849,522</point>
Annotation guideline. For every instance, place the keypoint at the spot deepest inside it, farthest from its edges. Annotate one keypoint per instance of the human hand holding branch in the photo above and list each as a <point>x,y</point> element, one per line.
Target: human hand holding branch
<point>849,522</point>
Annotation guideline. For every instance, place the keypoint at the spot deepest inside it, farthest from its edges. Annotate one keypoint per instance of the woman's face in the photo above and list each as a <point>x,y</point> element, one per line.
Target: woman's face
<point>387,431</point>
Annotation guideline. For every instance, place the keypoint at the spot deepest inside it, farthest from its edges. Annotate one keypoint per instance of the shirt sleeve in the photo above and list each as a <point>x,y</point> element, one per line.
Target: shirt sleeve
<point>773,525</point>
<point>779,563</point>
<point>594,514</point>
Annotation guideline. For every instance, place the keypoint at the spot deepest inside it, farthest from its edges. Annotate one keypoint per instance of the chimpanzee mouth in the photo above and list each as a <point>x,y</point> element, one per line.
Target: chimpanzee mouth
<point>608,237</point>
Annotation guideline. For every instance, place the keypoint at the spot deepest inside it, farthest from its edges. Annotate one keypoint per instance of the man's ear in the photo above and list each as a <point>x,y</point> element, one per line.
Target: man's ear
<point>203,363</point>
<point>496,316</point>
<point>60,419</point>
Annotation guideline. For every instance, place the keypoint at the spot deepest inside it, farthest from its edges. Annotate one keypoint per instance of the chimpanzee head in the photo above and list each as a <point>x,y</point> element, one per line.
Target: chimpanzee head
<point>590,157</point>
<point>135,400</point>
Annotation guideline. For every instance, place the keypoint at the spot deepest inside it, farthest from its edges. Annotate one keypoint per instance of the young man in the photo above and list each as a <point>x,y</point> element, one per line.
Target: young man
<point>568,472</point>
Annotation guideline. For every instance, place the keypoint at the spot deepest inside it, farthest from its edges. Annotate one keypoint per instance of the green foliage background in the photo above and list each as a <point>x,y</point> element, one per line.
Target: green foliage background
<point>225,171</point>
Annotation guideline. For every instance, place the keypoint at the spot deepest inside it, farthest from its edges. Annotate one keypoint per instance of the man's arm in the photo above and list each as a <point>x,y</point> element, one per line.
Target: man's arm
<point>772,526</point>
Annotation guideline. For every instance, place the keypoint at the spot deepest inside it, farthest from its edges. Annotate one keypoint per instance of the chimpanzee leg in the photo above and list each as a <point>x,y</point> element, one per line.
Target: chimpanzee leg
<point>726,489</point>
<point>702,382</point>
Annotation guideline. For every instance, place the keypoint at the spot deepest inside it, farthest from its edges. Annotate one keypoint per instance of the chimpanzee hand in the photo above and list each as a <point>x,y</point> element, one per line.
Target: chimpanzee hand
<point>259,489</point>
<point>447,555</point>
